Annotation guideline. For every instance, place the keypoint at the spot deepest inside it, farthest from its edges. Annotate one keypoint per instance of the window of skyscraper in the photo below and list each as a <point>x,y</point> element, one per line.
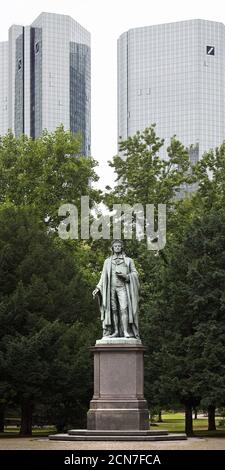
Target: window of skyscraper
<point>210,50</point>
<point>37,47</point>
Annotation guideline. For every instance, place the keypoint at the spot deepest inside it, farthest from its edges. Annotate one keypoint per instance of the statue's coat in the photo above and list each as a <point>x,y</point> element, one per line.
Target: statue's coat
<point>132,288</point>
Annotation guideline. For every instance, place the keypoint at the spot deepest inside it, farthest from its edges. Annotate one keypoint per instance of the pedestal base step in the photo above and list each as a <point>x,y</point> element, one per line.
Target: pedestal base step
<point>108,435</point>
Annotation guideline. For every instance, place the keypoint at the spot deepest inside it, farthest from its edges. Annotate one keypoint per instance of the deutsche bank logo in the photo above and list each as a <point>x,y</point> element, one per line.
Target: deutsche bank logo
<point>210,50</point>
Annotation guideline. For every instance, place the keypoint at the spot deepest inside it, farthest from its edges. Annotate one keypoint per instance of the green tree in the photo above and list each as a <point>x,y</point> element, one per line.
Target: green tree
<point>171,329</point>
<point>45,173</point>
<point>44,280</point>
<point>193,337</point>
<point>210,174</point>
<point>143,176</point>
<point>41,282</point>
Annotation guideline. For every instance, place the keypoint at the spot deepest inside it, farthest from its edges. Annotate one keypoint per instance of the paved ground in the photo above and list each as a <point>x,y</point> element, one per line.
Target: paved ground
<point>45,444</point>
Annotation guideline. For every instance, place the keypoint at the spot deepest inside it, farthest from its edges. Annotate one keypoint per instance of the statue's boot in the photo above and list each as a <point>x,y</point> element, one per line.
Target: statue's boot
<point>128,335</point>
<point>114,335</point>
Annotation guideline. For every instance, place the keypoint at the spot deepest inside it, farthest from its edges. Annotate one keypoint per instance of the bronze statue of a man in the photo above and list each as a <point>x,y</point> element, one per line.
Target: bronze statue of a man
<point>118,295</point>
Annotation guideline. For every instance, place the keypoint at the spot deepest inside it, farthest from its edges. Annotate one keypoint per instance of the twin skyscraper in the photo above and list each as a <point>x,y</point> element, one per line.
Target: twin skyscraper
<point>171,74</point>
<point>45,78</point>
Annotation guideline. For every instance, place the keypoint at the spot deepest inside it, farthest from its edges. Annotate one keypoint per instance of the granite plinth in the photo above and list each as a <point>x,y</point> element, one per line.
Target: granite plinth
<point>118,410</point>
<point>118,402</point>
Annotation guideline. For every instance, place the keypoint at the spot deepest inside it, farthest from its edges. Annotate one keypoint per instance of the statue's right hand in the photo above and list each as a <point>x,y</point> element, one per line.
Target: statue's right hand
<point>95,291</point>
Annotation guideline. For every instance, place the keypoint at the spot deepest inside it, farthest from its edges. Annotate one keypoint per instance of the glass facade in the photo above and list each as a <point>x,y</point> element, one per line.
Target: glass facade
<point>19,86</point>
<point>15,71</point>
<point>36,82</point>
<point>49,77</point>
<point>80,88</point>
<point>174,75</point>
<point>4,87</point>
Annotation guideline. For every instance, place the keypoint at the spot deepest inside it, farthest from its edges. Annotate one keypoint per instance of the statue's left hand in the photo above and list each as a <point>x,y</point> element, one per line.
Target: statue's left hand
<point>95,291</point>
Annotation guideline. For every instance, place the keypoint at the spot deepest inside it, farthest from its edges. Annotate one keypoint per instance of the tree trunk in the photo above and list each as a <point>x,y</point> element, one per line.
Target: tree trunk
<point>188,420</point>
<point>60,426</point>
<point>160,417</point>
<point>26,418</point>
<point>195,413</point>
<point>2,418</point>
<point>211,418</point>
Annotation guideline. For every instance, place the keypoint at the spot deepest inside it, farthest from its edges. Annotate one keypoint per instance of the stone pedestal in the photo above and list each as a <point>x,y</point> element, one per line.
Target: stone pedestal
<point>118,410</point>
<point>118,402</point>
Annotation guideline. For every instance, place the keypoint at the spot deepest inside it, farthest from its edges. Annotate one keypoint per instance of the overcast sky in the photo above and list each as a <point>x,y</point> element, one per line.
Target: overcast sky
<point>106,20</point>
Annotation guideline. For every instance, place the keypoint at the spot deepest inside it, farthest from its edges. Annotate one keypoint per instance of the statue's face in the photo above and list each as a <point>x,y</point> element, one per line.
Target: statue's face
<point>117,247</point>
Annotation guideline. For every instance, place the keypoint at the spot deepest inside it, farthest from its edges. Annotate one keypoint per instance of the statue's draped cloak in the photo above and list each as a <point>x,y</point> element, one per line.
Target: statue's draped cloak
<point>132,288</point>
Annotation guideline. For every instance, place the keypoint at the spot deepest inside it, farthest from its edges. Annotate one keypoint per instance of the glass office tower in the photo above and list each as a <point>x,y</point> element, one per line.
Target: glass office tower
<point>174,75</point>
<point>47,78</point>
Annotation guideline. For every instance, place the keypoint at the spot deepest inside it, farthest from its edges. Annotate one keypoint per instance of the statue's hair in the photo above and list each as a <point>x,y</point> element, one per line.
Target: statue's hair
<point>116,241</point>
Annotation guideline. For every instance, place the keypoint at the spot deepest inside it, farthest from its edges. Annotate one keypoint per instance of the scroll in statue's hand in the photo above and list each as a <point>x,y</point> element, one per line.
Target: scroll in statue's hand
<point>123,276</point>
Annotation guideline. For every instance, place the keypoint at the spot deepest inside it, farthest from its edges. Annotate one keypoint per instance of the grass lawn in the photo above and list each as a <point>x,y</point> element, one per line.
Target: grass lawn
<point>175,422</point>
<point>13,431</point>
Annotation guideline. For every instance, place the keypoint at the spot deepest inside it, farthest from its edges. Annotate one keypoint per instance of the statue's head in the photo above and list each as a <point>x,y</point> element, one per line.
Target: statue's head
<point>117,246</point>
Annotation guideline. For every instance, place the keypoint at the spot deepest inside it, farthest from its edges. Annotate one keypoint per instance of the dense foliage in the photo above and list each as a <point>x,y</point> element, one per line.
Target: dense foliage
<point>47,316</point>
